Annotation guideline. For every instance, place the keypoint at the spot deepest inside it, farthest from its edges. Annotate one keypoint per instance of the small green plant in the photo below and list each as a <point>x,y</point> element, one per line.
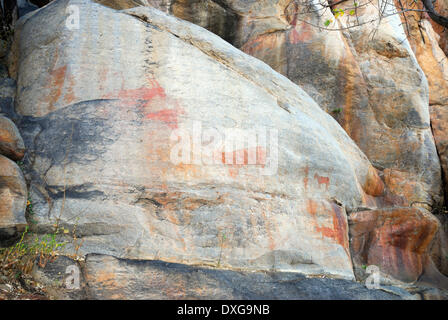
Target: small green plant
<point>21,165</point>
<point>364,266</point>
<point>337,110</point>
<point>222,240</point>
<point>30,211</point>
<point>338,13</point>
<point>19,259</point>
<point>29,206</point>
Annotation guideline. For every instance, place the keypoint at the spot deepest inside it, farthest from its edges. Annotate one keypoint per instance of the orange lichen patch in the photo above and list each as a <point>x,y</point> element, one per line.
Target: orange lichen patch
<point>322,181</point>
<point>373,185</point>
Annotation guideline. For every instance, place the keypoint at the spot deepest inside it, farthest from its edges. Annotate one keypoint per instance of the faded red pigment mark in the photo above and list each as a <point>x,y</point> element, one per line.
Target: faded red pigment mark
<point>304,35</point>
<point>339,230</point>
<point>69,97</point>
<point>144,94</point>
<point>239,158</point>
<point>322,180</point>
<point>306,180</point>
<point>168,116</point>
<point>311,207</point>
<point>252,46</point>
<point>143,98</point>
<point>57,79</point>
<point>267,42</point>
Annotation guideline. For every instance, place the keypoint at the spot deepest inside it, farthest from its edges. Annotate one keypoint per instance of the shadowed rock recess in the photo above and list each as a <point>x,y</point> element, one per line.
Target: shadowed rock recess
<point>347,169</point>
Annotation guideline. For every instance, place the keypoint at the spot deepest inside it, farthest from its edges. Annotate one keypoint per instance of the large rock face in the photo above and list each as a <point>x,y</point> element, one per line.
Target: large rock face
<point>13,190</point>
<point>104,109</point>
<point>151,138</point>
<point>396,240</point>
<point>13,197</point>
<point>434,63</point>
<point>114,278</point>
<point>365,79</point>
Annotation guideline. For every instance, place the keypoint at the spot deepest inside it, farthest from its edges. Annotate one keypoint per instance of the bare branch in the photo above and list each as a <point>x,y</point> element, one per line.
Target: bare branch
<point>436,17</point>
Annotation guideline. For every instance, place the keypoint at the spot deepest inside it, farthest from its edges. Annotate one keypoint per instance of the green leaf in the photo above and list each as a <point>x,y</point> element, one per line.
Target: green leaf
<point>327,23</point>
<point>339,14</point>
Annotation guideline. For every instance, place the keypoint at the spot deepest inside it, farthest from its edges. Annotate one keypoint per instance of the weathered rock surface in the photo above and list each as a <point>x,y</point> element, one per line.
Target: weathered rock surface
<point>112,278</point>
<point>439,248</point>
<point>7,94</point>
<point>13,197</point>
<point>398,240</point>
<point>402,145</point>
<point>56,273</point>
<point>434,63</point>
<point>364,79</point>
<point>106,106</point>
<point>98,134</point>
<point>11,142</point>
